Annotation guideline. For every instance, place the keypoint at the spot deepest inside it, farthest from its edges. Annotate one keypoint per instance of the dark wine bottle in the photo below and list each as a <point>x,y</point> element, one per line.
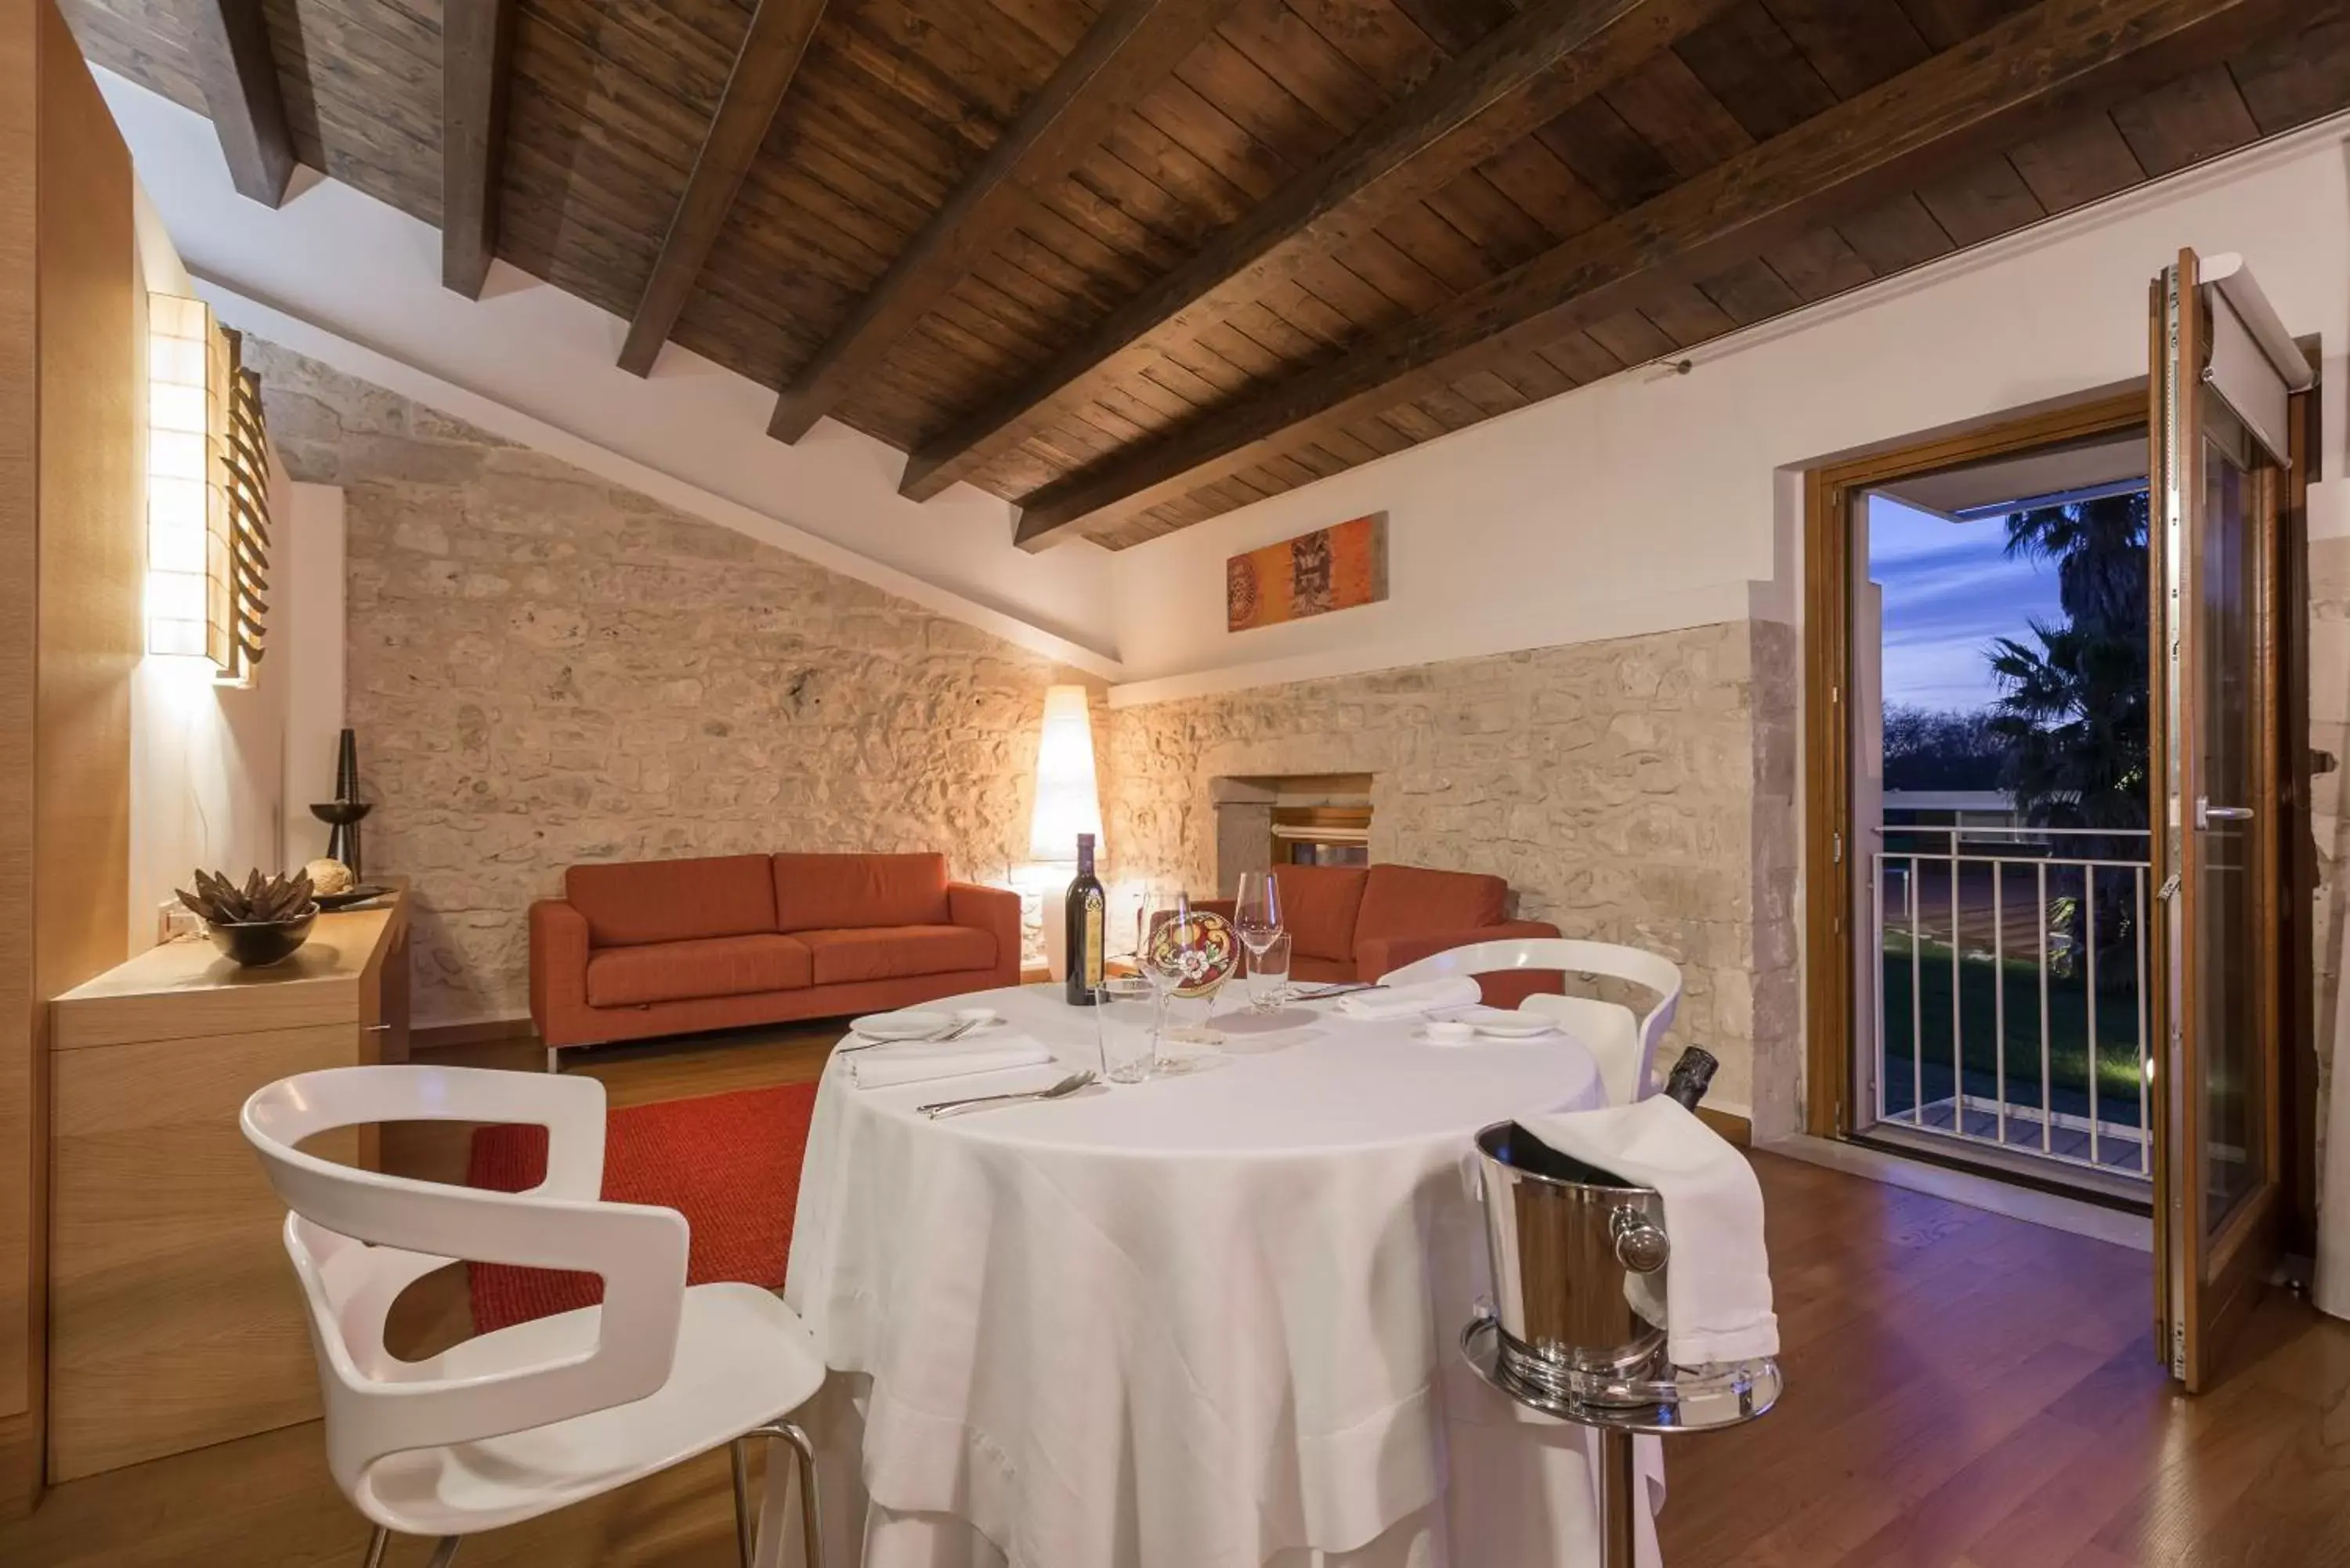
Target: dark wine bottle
<point>1087,928</point>
<point>1686,1081</point>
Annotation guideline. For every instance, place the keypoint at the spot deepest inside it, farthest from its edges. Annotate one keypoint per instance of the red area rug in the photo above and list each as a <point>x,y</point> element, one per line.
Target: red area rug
<point>728,1163</point>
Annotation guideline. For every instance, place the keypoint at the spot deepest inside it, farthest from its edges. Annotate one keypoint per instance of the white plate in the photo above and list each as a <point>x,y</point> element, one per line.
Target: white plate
<point>902,1026</point>
<point>1504,1024</point>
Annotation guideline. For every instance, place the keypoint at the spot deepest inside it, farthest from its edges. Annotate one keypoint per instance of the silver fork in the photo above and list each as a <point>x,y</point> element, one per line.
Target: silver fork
<point>940,1038</point>
<point>1062,1090</point>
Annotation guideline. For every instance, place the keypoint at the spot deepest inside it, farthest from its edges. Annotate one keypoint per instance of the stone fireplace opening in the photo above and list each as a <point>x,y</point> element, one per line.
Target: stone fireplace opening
<point>1263,823</point>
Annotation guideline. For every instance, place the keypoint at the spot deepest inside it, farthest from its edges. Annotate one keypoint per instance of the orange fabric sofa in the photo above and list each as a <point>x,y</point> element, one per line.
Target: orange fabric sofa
<point>672,947</point>
<point>1356,922</point>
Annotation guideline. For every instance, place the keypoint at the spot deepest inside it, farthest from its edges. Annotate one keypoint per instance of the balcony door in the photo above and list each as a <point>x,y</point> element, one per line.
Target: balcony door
<point>2224,377</point>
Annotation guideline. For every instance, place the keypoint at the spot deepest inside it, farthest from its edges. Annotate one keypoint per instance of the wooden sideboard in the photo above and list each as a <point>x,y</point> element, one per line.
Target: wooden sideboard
<point>174,1319</point>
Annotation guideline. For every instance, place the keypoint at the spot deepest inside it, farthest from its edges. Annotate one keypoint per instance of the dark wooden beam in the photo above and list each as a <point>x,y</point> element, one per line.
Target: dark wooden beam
<point>476,37</point>
<point>1131,46</point>
<point>770,58</point>
<point>1520,76</point>
<point>229,47</point>
<point>2062,58</point>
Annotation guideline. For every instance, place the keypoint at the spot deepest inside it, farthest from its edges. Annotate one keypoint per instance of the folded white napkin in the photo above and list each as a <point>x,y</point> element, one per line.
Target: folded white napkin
<point>1414,1001</point>
<point>885,1066</point>
<point>1717,1280</point>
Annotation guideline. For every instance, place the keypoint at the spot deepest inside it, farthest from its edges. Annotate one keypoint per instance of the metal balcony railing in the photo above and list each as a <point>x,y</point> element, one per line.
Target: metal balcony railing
<point>2010,999</point>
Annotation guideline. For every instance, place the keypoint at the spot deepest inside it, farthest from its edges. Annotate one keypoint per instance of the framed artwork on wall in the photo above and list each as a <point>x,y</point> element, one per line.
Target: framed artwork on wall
<point>1334,568</point>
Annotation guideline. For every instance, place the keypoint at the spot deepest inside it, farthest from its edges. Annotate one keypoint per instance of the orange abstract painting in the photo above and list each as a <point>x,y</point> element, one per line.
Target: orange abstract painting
<point>1331,568</point>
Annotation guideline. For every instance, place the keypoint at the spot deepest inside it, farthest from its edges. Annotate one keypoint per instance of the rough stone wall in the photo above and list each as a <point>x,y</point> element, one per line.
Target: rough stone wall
<point>545,668</point>
<point>1639,790</point>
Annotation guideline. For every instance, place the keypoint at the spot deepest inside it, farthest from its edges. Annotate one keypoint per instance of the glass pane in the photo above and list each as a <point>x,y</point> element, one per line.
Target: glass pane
<point>2227,960</point>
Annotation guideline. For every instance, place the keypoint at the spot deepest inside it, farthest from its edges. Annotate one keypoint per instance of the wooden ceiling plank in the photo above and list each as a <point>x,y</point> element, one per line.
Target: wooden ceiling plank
<point>2198,116</point>
<point>1581,356</point>
<point>1753,68</point>
<point>2077,164</point>
<point>2063,57</point>
<point>1632,337</point>
<point>1666,103</point>
<point>1894,236</point>
<point>1982,201</point>
<point>1945,23</point>
<point>1750,292</point>
<point>764,69</point>
<point>2295,79</point>
<point>1533,376</point>
<point>1389,46</point>
<point>476,51</point>
<point>1823,263</point>
<point>1548,57</point>
<point>1131,46</point>
<point>1684,314</point>
<point>1854,44</point>
<point>228,49</point>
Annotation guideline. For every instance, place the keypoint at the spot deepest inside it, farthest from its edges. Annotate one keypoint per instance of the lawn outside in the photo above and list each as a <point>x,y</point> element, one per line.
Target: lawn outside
<point>1924,1026</point>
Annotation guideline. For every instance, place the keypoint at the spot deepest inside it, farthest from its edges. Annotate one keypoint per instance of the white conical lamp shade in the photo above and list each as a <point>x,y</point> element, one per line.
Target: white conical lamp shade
<point>1067,801</point>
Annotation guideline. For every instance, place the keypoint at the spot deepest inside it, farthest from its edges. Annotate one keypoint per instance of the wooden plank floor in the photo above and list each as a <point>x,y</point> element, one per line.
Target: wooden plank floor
<point>1964,1391</point>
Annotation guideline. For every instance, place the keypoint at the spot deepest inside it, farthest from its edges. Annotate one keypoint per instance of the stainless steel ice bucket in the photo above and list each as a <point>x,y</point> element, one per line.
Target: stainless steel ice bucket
<point>1578,1267</point>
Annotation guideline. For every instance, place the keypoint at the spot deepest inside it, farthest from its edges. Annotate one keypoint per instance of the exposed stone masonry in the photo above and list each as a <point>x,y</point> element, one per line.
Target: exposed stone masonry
<point>1639,790</point>
<point>546,668</point>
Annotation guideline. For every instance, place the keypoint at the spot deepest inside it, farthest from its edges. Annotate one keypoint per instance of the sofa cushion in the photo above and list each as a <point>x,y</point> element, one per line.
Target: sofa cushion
<point>897,952</point>
<point>1318,907</point>
<point>846,892</point>
<point>1412,901</point>
<point>688,970</point>
<point>672,900</point>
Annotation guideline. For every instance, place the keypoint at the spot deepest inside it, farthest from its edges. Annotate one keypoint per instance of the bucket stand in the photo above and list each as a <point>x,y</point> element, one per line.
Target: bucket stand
<point>1665,1401</point>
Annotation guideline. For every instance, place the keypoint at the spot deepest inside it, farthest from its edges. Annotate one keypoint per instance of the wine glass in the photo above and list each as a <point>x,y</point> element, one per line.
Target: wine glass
<point>1186,953</point>
<point>1256,916</point>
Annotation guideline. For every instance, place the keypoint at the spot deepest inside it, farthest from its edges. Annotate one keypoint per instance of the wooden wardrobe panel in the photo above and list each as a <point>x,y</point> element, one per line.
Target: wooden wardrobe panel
<point>70,536</point>
<point>19,623</point>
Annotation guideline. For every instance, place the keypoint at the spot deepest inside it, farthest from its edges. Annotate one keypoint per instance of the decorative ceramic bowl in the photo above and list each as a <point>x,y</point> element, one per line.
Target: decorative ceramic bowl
<point>253,944</point>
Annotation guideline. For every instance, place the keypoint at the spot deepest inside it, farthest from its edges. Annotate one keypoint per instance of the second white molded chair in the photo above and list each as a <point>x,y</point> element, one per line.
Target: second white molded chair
<point>1625,1045</point>
<point>518,1422</point>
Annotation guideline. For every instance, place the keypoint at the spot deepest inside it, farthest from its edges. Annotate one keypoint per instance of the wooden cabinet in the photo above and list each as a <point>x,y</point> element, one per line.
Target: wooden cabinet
<point>175,1320</point>
<point>71,542</point>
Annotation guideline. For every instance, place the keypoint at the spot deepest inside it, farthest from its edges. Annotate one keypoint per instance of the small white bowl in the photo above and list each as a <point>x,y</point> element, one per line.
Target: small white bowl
<point>979,1017</point>
<point>1444,1031</point>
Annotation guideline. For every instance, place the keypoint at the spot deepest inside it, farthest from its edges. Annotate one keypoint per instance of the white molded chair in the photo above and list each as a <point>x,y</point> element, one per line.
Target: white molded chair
<point>518,1422</point>
<point>1625,1045</point>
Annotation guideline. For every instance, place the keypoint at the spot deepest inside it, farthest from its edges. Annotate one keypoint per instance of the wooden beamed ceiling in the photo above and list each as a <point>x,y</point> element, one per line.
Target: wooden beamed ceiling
<point>476,43</point>
<point>1135,263</point>
<point>228,49</point>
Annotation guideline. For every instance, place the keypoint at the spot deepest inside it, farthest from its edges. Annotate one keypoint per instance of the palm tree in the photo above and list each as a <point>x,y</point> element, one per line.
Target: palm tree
<point>2074,711</point>
<point>2073,714</point>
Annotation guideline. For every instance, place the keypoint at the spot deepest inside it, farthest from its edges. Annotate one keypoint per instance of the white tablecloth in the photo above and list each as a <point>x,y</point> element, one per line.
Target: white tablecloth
<point>1200,1321</point>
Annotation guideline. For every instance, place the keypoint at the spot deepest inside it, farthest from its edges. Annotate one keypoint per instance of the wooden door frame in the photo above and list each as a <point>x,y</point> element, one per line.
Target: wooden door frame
<point>1828,912</point>
<point>2225,1268</point>
<point>1828,493</point>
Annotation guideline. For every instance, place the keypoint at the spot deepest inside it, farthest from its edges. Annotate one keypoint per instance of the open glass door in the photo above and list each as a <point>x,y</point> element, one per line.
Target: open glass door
<point>2224,373</point>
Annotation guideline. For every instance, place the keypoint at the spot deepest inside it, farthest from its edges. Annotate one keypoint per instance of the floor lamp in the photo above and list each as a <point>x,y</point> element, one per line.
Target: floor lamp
<point>1068,803</point>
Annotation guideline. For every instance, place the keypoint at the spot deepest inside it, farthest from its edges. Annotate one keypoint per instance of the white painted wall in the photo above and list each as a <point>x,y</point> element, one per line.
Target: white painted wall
<point>1652,500</point>
<point>368,275</point>
<point>206,761</point>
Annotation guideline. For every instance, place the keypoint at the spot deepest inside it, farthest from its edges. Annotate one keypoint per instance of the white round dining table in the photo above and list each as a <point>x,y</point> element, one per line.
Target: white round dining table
<point>1207,1321</point>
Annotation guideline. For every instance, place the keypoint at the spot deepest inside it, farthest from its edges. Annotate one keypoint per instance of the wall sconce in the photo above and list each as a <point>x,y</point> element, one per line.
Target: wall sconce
<point>1068,803</point>
<point>207,493</point>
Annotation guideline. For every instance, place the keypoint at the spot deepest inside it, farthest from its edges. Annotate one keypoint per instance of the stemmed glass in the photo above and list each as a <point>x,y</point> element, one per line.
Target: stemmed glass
<point>1177,951</point>
<point>1256,916</point>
